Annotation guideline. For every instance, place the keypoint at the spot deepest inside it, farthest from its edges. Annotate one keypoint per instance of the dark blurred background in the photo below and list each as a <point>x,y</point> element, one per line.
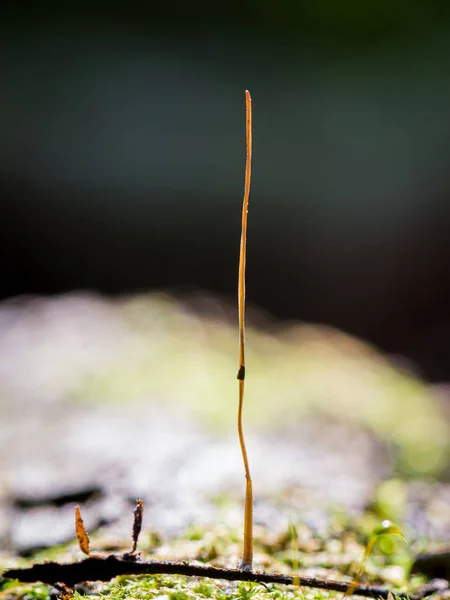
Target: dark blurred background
<point>122,154</point>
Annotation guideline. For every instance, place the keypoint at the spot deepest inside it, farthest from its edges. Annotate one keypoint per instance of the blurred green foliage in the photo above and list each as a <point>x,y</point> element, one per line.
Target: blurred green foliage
<point>295,372</point>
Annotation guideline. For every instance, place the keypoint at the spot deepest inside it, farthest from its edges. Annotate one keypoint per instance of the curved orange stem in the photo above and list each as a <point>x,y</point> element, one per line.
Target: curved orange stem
<point>247,557</point>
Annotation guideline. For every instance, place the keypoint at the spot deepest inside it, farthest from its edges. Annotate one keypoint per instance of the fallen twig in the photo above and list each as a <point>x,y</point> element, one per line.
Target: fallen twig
<point>97,568</point>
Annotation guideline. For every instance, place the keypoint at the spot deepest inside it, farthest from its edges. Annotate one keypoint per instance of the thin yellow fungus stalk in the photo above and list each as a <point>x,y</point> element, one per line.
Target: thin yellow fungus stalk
<point>247,556</point>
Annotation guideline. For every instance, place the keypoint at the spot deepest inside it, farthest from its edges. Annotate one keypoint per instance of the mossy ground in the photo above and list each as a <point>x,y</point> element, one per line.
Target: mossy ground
<point>165,354</point>
<point>295,550</point>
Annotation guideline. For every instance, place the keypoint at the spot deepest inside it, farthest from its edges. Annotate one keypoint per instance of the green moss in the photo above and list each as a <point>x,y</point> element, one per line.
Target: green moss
<point>330,556</point>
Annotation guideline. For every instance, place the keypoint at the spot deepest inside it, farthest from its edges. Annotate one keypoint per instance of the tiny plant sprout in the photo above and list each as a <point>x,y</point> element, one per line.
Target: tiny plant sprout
<point>138,514</point>
<point>386,528</point>
<point>293,535</point>
<point>247,556</point>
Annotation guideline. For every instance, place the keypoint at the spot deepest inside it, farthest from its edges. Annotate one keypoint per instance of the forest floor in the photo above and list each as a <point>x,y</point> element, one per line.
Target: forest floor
<point>104,402</point>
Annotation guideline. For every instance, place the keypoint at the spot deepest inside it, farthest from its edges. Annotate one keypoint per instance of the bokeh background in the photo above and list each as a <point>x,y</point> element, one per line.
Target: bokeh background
<point>122,155</point>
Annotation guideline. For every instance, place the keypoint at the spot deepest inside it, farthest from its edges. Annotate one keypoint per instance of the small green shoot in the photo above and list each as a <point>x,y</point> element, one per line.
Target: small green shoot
<point>247,556</point>
<point>386,528</point>
<point>293,535</point>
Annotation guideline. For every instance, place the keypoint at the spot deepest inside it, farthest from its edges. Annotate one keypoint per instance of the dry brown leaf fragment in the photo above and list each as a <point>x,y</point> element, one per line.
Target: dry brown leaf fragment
<point>82,536</point>
<point>67,594</point>
<point>137,523</point>
<point>64,591</point>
